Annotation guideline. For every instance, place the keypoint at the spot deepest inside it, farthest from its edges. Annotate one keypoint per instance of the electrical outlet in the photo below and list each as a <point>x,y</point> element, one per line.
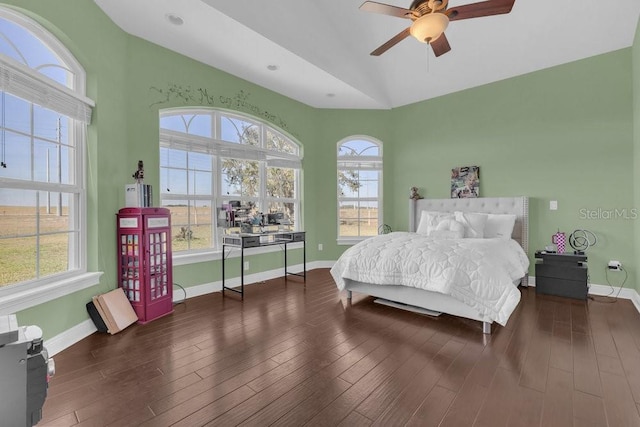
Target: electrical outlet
<point>246,265</point>
<point>319,246</point>
<point>614,265</point>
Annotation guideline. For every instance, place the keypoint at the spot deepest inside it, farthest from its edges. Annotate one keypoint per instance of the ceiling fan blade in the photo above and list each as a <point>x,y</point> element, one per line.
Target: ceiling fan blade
<point>440,45</point>
<point>391,42</point>
<point>476,10</point>
<point>386,9</point>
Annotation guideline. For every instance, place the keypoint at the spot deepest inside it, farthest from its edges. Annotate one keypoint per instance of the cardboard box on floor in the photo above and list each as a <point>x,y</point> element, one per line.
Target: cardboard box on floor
<point>115,310</point>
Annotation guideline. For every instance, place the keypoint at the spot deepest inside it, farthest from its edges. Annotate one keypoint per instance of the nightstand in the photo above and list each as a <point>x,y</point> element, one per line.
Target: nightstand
<point>563,275</point>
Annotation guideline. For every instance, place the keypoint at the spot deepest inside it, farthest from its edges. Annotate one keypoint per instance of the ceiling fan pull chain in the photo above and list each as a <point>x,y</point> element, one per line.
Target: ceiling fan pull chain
<point>428,45</point>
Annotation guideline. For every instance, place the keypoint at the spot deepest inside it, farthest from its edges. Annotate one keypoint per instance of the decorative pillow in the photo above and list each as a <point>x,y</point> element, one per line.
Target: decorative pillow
<point>473,223</point>
<point>430,219</point>
<point>447,228</point>
<point>499,226</point>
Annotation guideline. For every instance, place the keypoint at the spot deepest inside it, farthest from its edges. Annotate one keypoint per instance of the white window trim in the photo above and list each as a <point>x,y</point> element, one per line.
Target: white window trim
<point>342,165</point>
<point>21,296</point>
<point>220,149</point>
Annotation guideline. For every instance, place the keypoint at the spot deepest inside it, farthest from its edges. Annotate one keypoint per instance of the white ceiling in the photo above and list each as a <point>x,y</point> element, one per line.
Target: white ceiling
<point>322,47</point>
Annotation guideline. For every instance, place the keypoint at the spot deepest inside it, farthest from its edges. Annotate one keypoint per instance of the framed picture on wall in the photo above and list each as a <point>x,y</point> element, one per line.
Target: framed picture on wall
<point>465,182</point>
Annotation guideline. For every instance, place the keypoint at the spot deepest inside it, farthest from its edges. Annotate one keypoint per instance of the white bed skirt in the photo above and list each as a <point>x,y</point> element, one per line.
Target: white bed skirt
<point>434,301</point>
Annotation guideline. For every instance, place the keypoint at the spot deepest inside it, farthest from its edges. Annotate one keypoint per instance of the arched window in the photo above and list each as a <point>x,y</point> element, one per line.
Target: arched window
<point>213,162</point>
<point>359,188</point>
<point>43,116</point>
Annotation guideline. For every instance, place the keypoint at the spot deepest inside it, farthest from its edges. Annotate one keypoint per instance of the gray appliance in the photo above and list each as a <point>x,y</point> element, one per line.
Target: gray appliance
<point>25,369</point>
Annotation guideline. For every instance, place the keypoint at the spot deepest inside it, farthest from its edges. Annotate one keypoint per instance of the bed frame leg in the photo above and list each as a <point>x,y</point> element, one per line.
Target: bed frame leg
<point>525,281</point>
<point>349,295</point>
<point>486,328</point>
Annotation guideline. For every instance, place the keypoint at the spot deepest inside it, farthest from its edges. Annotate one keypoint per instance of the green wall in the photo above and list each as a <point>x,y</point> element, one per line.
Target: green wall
<point>636,139</point>
<point>561,134</point>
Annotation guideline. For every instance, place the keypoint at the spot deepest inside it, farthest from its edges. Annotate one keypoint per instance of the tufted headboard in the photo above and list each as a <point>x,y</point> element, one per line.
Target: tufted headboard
<point>495,205</point>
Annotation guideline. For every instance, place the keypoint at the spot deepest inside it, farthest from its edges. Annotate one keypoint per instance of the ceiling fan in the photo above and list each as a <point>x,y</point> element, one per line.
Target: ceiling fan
<point>430,19</point>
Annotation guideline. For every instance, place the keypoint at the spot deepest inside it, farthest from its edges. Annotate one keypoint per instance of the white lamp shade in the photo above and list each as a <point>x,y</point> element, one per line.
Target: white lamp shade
<point>429,27</point>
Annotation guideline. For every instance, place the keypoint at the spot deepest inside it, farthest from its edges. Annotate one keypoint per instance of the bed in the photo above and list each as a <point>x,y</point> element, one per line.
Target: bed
<point>491,266</point>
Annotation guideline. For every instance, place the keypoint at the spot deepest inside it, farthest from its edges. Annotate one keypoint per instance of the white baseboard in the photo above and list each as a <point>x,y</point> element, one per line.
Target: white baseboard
<point>249,279</point>
<point>69,337</point>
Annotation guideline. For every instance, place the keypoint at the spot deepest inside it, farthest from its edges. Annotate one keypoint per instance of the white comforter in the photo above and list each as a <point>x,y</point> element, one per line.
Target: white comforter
<point>478,272</point>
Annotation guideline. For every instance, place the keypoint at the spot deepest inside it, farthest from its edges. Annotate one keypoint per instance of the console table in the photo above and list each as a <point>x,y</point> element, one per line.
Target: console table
<point>248,241</point>
<point>563,275</point>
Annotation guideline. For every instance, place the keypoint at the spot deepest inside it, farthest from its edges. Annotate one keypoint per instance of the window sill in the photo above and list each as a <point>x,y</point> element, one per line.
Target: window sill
<point>216,255</point>
<point>21,298</point>
<point>349,241</point>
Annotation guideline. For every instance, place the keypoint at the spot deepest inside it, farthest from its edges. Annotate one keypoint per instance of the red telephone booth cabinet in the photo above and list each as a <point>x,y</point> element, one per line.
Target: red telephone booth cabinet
<point>144,261</point>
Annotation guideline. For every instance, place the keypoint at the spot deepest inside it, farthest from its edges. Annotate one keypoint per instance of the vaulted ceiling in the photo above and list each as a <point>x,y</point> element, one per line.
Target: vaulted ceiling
<point>317,52</point>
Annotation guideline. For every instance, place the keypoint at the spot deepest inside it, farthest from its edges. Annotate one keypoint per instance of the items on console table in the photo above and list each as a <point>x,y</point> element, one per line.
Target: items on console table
<point>247,241</point>
<point>563,275</point>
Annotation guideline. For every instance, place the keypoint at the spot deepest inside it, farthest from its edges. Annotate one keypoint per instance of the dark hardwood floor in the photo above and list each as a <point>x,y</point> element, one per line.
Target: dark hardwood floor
<point>290,355</point>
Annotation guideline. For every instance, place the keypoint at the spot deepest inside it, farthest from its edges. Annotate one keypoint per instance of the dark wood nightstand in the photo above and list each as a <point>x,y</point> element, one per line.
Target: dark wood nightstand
<point>563,275</point>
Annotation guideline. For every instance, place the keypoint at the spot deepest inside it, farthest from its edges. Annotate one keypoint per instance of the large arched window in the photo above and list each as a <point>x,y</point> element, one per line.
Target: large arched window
<point>213,162</point>
<point>359,188</point>
<point>43,116</point>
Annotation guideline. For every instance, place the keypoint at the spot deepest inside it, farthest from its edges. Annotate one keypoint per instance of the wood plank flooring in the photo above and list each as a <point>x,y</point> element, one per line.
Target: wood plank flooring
<point>293,355</point>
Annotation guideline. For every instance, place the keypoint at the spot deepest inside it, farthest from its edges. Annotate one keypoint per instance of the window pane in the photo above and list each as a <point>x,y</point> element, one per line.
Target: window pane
<point>17,157</point>
<point>348,183</point>
<point>200,161</point>
<point>287,210</point>
<point>200,125</point>
<point>54,252</point>
<point>278,142</point>
<point>29,50</point>
<point>200,225</point>
<point>175,123</point>
<point>200,183</point>
<point>170,157</point>
<point>173,181</point>
<point>358,218</point>
<point>281,183</point>
<point>240,131</point>
<point>368,184</point>
<point>51,162</point>
<point>54,212</point>
<point>240,178</point>
<point>48,124</point>
<point>179,223</point>
<point>190,224</point>
<point>368,218</point>
<point>17,213</point>
<point>358,148</point>
<point>17,114</point>
<point>17,260</point>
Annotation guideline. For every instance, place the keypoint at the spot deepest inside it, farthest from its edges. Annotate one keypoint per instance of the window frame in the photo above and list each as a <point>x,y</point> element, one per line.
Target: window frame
<point>219,150</point>
<point>378,162</point>
<point>18,296</point>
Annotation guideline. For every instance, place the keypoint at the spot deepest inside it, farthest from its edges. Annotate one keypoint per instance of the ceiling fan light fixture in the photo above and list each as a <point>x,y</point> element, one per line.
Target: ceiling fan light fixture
<point>429,27</point>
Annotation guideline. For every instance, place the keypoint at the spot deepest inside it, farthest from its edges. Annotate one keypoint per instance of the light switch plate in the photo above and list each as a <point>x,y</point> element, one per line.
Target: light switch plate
<point>553,205</point>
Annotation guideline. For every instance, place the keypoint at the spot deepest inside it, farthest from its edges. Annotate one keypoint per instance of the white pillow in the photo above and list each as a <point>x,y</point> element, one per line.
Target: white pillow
<point>473,223</point>
<point>430,219</point>
<point>500,226</point>
<point>447,228</point>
